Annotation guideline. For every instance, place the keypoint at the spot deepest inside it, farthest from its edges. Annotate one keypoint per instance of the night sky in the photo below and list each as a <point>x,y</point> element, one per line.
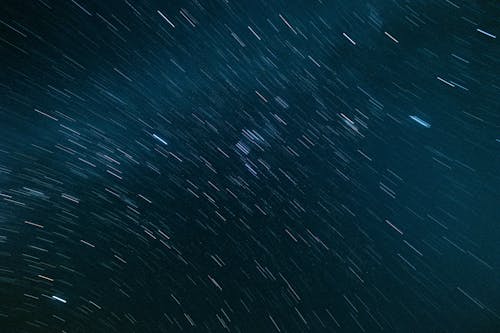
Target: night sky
<point>249,166</point>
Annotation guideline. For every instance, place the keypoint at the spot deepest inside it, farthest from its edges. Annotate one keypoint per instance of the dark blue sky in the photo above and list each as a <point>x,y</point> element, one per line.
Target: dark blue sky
<point>249,166</point>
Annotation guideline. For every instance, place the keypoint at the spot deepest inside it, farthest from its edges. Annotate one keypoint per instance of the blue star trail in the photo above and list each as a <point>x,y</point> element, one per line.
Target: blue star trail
<point>419,121</point>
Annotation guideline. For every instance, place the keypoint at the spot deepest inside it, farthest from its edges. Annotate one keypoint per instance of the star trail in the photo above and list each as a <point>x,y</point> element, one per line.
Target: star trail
<point>249,166</point>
